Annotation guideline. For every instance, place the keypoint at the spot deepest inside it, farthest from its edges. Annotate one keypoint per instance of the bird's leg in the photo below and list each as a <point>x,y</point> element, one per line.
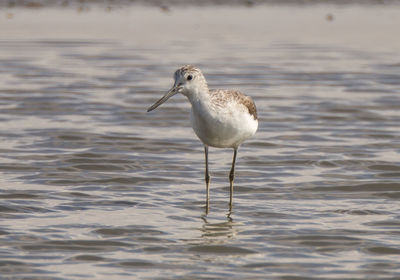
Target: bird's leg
<point>207,177</point>
<point>231,177</point>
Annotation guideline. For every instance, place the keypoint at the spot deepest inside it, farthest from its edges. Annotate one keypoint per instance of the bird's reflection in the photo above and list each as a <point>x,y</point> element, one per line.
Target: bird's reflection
<point>215,231</point>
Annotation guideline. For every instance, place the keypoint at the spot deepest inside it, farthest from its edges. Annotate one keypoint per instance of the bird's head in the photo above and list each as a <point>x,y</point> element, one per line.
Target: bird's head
<point>189,81</point>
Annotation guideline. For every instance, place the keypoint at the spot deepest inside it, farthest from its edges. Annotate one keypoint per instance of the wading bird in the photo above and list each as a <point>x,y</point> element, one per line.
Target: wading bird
<point>220,118</point>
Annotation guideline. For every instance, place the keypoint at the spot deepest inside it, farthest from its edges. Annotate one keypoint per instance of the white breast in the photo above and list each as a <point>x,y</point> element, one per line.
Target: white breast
<point>225,126</point>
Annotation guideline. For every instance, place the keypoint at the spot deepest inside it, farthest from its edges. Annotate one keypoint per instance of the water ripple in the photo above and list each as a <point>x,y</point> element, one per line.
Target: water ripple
<point>92,186</point>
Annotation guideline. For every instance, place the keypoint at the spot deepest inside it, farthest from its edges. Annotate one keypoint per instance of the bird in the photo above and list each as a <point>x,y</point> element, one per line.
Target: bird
<point>221,118</point>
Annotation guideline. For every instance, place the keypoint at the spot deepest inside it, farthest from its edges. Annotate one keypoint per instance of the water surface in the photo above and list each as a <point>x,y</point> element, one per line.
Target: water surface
<point>92,186</point>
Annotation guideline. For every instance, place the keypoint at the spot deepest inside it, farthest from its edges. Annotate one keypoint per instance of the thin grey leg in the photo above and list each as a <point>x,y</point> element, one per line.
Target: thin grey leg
<point>231,177</point>
<point>207,177</point>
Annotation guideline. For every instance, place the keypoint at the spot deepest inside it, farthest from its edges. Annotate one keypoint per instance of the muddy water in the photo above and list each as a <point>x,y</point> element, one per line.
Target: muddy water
<point>92,186</point>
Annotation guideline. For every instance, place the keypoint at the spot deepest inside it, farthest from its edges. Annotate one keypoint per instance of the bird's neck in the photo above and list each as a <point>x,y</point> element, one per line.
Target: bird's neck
<point>199,96</point>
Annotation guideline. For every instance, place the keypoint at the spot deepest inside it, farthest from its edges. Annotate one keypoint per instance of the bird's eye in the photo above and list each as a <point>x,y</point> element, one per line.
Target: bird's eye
<point>189,77</point>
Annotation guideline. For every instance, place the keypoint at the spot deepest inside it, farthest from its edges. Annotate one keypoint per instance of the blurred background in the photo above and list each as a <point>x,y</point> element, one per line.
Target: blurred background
<point>92,186</point>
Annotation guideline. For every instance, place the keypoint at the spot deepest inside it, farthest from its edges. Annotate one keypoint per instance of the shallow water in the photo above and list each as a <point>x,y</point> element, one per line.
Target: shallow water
<point>92,186</point>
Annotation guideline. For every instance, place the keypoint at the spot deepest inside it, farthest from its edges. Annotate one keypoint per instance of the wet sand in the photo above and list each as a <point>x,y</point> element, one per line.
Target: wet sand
<point>366,28</point>
<point>35,4</point>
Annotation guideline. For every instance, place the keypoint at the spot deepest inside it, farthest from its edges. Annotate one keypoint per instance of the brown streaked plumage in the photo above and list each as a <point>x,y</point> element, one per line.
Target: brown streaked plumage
<point>222,96</point>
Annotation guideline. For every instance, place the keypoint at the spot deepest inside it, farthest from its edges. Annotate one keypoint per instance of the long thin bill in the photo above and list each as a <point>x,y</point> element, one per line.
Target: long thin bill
<point>170,93</point>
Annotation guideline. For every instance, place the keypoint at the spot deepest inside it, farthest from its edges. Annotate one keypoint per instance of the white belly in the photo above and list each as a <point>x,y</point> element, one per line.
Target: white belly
<point>224,128</point>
